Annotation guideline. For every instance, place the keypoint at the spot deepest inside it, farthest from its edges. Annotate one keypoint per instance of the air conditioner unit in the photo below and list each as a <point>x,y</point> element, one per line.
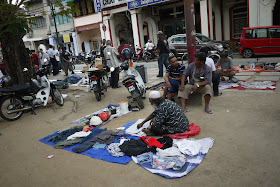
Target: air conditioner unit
<point>155,11</point>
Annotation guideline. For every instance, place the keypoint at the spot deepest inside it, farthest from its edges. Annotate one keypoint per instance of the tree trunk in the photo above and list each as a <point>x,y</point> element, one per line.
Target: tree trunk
<point>16,57</point>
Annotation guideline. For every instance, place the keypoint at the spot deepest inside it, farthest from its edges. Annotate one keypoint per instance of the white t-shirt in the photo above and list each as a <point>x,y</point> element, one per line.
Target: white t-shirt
<point>149,46</point>
<point>51,53</point>
<point>57,57</point>
<point>210,63</point>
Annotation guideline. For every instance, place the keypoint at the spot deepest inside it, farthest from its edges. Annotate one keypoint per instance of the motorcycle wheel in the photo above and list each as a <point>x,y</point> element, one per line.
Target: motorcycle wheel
<point>147,59</point>
<point>97,96</point>
<point>140,101</point>
<point>57,97</point>
<point>6,105</point>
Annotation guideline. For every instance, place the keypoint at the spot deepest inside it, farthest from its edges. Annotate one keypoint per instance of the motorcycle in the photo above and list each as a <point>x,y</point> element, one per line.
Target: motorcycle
<point>147,56</point>
<point>98,82</point>
<point>132,79</point>
<point>26,97</point>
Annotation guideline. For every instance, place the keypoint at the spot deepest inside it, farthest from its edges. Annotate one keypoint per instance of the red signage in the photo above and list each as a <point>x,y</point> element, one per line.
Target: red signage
<point>104,27</point>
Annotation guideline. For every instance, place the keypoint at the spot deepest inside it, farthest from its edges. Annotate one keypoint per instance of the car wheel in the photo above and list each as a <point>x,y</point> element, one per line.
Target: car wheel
<point>248,53</point>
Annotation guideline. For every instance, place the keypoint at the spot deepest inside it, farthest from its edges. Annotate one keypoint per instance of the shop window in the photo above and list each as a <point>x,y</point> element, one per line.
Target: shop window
<point>239,21</point>
<point>38,22</point>
<point>85,6</point>
<point>274,33</point>
<point>60,19</point>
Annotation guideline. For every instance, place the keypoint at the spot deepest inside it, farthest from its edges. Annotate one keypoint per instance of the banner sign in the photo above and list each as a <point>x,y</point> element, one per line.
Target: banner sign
<point>139,3</point>
<point>66,38</point>
<point>97,5</point>
<point>110,3</point>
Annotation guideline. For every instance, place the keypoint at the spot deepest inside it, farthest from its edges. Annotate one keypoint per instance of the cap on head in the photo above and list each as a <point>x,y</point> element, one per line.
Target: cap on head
<point>160,33</point>
<point>154,95</point>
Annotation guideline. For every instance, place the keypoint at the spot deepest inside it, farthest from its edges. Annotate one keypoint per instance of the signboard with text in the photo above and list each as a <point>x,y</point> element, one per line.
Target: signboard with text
<point>140,3</point>
<point>111,3</point>
<point>97,5</point>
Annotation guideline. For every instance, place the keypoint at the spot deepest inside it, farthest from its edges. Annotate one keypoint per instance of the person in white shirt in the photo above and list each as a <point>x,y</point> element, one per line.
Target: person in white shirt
<point>52,54</point>
<point>215,75</point>
<point>44,59</point>
<point>150,48</point>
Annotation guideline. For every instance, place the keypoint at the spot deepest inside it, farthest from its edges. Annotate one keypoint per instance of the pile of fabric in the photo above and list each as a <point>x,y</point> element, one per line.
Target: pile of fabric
<point>169,157</point>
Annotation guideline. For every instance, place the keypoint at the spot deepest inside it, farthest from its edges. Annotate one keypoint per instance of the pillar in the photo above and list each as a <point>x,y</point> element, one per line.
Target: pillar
<point>206,18</point>
<point>137,28</point>
<point>74,36</point>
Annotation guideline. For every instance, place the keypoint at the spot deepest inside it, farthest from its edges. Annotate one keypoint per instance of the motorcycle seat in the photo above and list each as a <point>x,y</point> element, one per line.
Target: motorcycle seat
<point>15,88</point>
<point>129,77</point>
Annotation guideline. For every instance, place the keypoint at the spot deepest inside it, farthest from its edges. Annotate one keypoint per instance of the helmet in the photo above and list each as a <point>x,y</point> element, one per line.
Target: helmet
<point>104,116</point>
<point>126,53</point>
<point>95,121</point>
<point>7,81</point>
<point>150,41</point>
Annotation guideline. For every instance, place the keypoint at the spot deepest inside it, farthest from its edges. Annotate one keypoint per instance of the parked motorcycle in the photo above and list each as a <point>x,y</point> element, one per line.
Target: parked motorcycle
<point>26,97</point>
<point>147,56</point>
<point>132,79</point>
<point>98,82</point>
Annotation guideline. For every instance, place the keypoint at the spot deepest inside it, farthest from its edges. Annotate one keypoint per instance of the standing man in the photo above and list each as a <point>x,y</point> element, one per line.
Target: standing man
<point>44,59</point>
<point>215,75</point>
<point>163,52</point>
<point>66,56</point>
<point>173,76</point>
<point>57,58</point>
<point>111,55</point>
<point>122,46</point>
<point>226,64</point>
<point>102,47</point>
<point>54,63</point>
<point>200,76</point>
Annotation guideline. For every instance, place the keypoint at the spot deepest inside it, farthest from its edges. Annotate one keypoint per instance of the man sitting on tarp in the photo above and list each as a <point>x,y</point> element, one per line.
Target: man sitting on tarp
<point>226,64</point>
<point>168,117</point>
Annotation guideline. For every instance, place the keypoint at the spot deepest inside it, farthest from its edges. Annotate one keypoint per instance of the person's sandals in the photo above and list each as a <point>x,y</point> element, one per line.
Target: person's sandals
<point>186,110</point>
<point>208,111</point>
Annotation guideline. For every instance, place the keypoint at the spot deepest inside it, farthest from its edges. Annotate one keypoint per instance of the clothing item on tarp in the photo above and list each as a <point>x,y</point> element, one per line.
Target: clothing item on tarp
<point>151,142</point>
<point>87,128</point>
<point>79,135</point>
<point>145,158</point>
<point>93,133</point>
<point>133,130</point>
<point>135,147</point>
<point>105,137</point>
<point>193,130</point>
<point>114,149</point>
<point>51,136</point>
<point>167,141</point>
<point>169,152</point>
<point>98,145</point>
<point>189,147</point>
<point>67,143</point>
<point>73,79</point>
<point>175,163</point>
<point>64,134</point>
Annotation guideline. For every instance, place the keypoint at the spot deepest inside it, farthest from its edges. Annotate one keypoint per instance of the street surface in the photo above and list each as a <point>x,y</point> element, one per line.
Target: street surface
<point>245,126</point>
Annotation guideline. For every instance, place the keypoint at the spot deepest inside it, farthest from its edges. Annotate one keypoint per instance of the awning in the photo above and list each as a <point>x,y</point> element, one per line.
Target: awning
<point>88,27</point>
<point>25,39</point>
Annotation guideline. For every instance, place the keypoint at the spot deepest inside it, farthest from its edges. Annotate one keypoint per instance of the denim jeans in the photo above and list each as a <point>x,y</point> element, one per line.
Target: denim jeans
<point>174,86</point>
<point>163,60</point>
<point>145,158</point>
<point>216,82</point>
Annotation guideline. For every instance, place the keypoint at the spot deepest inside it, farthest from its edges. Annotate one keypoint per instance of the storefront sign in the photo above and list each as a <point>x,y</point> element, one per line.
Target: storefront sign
<point>110,3</point>
<point>139,3</point>
<point>97,5</point>
<point>66,38</point>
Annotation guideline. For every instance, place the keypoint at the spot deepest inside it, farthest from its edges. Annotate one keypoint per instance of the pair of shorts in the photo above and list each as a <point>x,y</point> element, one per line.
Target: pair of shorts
<point>207,89</point>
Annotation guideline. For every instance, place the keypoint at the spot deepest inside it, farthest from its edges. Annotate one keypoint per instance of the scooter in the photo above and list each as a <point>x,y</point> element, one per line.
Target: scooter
<point>20,98</point>
<point>98,82</point>
<point>132,79</point>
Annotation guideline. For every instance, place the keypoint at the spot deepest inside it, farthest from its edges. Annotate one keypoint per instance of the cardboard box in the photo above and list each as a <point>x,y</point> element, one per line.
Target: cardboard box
<point>85,68</point>
<point>98,61</point>
<point>100,66</point>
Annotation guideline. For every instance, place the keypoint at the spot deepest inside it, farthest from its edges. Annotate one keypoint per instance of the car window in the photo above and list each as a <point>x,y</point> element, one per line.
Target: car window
<point>249,34</point>
<point>259,33</point>
<point>179,40</point>
<point>204,38</point>
<point>274,33</point>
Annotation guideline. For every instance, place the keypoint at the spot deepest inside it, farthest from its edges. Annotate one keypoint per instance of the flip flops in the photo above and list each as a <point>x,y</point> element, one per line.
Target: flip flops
<point>186,110</point>
<point>208,111</point>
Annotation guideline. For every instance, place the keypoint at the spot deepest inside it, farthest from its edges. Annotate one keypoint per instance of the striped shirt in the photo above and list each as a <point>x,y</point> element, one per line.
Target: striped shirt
<point>176,73</point>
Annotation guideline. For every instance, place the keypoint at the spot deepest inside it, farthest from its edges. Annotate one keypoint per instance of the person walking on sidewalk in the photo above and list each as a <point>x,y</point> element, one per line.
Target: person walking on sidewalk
<point>52,53</point>
<point>163,52</point>
<point>66,56</point>
<point>111,55</point>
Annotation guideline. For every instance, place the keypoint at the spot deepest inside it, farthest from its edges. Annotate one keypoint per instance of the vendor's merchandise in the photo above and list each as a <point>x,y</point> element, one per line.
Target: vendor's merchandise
<point>114,149</point>
<point>189,147</point>
<point>145,158</point>
<point>169,152</point>
<point>175,163</point>
<point>95,120</point>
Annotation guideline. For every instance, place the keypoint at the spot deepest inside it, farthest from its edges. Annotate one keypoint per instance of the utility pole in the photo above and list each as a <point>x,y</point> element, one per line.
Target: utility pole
<point>54,16</point>
<point>189,24</point>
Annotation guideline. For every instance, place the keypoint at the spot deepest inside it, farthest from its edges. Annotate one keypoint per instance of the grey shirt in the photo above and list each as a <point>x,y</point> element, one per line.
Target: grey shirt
<point>228,64</point>
<point>110,54</point>
<point>206,73</point>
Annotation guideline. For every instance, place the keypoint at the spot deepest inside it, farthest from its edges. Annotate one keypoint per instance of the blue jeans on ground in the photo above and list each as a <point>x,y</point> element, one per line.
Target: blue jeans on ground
<point>163,60</point>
